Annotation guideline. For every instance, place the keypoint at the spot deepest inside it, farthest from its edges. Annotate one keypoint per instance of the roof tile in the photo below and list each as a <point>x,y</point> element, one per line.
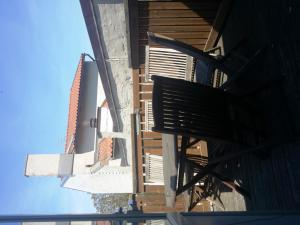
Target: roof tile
<point>105,150</point>
<point>73,106</point>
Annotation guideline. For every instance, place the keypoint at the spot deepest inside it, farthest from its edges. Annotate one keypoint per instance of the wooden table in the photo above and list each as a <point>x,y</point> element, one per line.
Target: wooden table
<point>171,173</point>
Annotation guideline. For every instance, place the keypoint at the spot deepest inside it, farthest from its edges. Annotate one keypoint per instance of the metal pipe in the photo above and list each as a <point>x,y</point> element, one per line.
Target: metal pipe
<point>81,217</point>
<point>86,54</point>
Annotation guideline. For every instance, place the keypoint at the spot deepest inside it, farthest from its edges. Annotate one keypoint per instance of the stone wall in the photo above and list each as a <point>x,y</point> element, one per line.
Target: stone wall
<point>110,16</point>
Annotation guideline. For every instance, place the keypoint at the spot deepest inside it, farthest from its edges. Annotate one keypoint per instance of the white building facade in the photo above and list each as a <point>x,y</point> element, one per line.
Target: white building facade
<point>80,167</point>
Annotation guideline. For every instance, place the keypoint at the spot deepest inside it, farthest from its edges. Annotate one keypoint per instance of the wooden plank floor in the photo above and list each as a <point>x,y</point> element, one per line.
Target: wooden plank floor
<point>273,183</point>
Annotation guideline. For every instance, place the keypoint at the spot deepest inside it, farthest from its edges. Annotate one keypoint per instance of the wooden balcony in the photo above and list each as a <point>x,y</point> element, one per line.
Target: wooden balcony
<point>273,183</point>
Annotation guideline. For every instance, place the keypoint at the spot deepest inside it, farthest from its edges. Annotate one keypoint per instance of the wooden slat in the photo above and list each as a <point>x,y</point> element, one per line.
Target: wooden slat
<point>154,151</point>
<point>152,143</point>
<point>142,108</point>
<point>145,96</point>
<point>166,61</point>
<point>153,168</point>
<point>168,56</point>
<point>167,70</point>
<point>154,188</point>
<point>142,56</point>
<point>204,207</point>
<point>146,87</point>
<point>190,41</point>
<point>155,202</point>
<point>142,66</point>
<point>176,13</point>
<point>135,150</point>
<point>135,81</point>
<point>139,164</point>
<point>178,35</point>
<point>175,21</point>
<point>181,5</point>
<point>143,127</point>
<point>218,24</point>
<point>134,31</point>
<point>181,28</point>
<point>142,70</point>
<point>200,46</point>
<point>151,135</point>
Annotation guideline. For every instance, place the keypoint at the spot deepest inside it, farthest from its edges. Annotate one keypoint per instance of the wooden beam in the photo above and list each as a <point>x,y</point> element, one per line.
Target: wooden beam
<point>155,188</point>
<point>133,23</point>
<point>218,24</point>
<point>145,13</point>
<point>135,81</point>
<point>180,35</point>
<point>170,29</point>
<point>139,165</point>
<point>135,171</point>
<point>175,21</point>
<point>180,5</point>
<point>157,151</point>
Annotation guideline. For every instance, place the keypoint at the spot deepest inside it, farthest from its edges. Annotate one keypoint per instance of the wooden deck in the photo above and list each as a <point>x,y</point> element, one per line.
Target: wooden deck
<point>188,21</point>
<point>273,183</point>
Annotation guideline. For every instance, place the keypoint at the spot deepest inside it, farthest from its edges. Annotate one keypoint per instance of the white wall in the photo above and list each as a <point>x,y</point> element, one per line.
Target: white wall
<point>106,124</point>
<point>82,163</point>
<point>49,165</point>
<point>101,94</point>
<point>109,179</point>
<point>59,164</point>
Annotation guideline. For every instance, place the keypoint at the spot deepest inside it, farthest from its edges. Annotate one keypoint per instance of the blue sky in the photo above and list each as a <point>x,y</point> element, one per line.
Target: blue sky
<point>40,46</point>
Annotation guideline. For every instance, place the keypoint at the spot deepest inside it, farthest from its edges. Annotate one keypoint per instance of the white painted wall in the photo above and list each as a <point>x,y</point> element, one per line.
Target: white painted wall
<point>109,179</point>
<point>82,163</point>
<point>106,124</point>
<point>101,94</point>
<point>49,165</point>
<point>77,170</point>
<point>59,164</point>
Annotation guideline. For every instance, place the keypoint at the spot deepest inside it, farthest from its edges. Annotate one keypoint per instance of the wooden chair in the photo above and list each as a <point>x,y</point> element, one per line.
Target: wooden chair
<point>154,169</point>
<point>206,63</point>
<point>196,111</point>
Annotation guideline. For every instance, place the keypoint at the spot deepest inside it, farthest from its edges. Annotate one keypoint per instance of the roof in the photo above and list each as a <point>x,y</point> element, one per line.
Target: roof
<point>73,107</point>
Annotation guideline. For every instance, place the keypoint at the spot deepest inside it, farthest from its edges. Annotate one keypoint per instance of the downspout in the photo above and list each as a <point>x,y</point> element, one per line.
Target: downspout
<point>88,55</point>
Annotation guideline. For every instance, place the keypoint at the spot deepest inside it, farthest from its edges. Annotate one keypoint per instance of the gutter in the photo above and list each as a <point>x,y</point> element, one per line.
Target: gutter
<point>87,8</point>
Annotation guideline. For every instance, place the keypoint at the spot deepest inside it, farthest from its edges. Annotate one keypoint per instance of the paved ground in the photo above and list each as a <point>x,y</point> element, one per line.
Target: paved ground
<point>273,183</point>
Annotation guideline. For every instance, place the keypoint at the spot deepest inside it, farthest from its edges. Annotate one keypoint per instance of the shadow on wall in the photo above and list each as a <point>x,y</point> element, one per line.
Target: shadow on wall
<point>119,153</point>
